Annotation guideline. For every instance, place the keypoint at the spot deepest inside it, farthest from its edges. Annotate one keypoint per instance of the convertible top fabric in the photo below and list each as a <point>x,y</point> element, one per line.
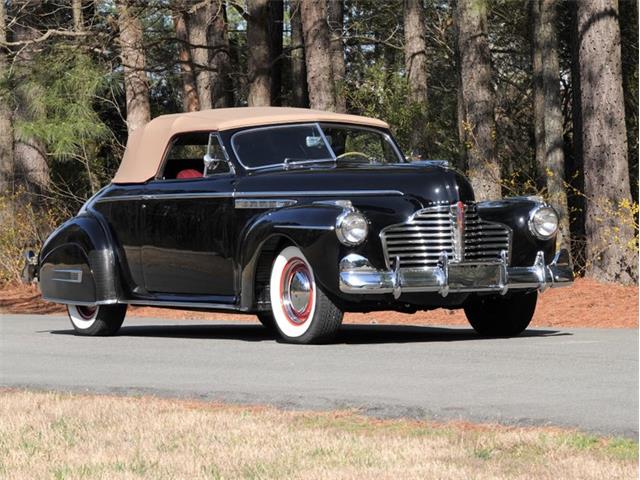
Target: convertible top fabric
<point>147,145</point>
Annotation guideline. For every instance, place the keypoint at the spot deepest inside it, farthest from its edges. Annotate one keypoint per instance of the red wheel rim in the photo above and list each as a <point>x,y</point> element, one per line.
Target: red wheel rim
<point>296,291</point>
<point>87,313</point>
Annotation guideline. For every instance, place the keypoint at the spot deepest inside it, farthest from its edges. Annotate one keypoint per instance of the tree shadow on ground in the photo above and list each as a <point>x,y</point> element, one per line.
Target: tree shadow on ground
<point>348,334</point>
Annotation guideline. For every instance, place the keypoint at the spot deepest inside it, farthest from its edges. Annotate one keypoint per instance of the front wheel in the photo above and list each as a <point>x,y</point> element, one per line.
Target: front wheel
<point>302,313</point>
<point>96,320</point>
<point>498,316</point>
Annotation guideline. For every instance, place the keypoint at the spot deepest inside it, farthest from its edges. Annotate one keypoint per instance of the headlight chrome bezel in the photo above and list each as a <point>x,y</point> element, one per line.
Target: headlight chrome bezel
<point>532,222</point>
<point>341,222</point>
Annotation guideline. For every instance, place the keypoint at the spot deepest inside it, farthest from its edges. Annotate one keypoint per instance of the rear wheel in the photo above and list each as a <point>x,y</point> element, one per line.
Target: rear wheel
<point>498,316</point>
<point>96,320</point>
<point>302,313</point>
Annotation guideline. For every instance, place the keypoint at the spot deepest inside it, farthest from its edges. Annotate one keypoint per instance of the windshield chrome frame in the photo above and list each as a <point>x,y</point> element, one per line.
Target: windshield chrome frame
<point>318,125</point>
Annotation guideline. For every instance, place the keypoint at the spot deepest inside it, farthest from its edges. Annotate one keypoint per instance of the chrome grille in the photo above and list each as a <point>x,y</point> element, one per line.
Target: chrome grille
<point>421,241</point>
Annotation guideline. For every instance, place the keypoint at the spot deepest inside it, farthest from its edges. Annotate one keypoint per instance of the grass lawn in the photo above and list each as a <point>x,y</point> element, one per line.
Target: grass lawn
<point>60,436</point>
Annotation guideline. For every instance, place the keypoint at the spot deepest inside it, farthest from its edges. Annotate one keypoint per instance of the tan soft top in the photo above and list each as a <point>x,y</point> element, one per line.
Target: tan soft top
<point>146,145</point>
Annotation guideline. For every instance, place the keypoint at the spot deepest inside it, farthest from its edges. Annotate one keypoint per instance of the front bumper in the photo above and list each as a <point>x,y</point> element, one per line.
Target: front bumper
<point>357,276</point>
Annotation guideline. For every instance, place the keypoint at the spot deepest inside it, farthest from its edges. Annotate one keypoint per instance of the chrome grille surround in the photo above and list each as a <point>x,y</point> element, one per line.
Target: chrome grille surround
<point>455,230</point>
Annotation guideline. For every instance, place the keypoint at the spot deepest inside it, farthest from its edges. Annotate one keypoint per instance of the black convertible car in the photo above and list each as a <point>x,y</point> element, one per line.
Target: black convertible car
<point>296,216</point>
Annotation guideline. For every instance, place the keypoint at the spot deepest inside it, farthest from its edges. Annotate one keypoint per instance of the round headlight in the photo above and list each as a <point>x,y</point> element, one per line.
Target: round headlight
<point>352,228</point>
<point>543,222</point>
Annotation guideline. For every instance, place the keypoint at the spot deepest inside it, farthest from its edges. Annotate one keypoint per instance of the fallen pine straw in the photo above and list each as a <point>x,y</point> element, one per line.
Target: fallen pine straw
<point>60,436</point>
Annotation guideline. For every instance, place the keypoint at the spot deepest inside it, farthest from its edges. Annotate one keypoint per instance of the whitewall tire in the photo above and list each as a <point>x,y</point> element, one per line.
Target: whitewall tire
<point>96,320</point>
<point>302,313</point>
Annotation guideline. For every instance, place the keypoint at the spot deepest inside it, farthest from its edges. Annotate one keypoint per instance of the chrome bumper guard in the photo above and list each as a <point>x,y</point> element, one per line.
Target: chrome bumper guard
<point>357,276</point>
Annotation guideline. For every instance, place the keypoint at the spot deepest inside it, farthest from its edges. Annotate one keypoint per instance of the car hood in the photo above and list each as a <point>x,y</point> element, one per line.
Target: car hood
<point>429,185</point>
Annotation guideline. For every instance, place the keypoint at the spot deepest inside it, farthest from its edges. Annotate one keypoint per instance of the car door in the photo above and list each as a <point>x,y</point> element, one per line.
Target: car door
<point>187,213</point>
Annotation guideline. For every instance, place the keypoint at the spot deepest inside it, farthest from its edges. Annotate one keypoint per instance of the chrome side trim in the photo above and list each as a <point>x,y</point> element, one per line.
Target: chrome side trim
<point>82,304</point>
<point>261,203</point>
<point>187,196</point>
<point>306,227</point>
<point>67,275</point>
<point>168,303</point>
<point>319,193</point>
<point>295,193</point>
<point>118,198</point>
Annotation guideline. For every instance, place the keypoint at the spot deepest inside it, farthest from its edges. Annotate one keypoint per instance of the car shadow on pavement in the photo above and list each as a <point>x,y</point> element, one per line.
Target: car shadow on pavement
<point>348,334</point>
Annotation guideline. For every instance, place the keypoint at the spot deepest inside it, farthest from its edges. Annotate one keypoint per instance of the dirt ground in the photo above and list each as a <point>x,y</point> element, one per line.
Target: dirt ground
<point>585,304</point>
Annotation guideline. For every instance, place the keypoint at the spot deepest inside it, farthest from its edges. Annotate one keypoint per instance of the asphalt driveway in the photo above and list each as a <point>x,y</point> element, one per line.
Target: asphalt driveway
<point>583,378</point>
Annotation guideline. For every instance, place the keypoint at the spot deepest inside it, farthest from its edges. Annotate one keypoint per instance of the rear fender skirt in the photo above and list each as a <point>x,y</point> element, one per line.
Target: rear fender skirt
<point>77,265</point>
<point>311,228</point>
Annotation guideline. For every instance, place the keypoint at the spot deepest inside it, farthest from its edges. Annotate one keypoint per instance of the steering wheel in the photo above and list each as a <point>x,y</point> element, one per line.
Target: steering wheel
<point>353,154</point>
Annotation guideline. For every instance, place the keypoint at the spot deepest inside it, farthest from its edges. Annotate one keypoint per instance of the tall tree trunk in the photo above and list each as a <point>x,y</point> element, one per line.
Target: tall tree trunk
<point>548,120</point>
<point>6,127</point>
<point>317,54</point>
<point>538,93</point>
<point>220,63</point>
<point>299,92</point>
<point>553,121</point>
<point>31,168</point>
<point>198,23</point>
<point>78,16</point>
<point>611,247</point>
<point>136,84</point>
<point>258,53</point>
<point>478,98</point>
<point>276,18</point>
<point>336,24</point>
<point>415,58</point>
<point>190,100</point>
<point>575,167</point>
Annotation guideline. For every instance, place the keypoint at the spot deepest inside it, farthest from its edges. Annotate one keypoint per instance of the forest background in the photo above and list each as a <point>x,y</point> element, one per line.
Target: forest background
<point>527,97</point>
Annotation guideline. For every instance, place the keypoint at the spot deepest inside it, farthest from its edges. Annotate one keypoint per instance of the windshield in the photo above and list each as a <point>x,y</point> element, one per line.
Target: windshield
<point>313,143</point>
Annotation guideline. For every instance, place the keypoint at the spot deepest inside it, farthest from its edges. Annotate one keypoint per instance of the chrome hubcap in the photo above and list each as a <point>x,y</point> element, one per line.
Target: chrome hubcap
<point>297,291</point>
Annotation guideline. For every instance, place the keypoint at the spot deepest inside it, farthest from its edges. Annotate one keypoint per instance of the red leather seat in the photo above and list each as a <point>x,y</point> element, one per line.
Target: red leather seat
<point>189,173</point>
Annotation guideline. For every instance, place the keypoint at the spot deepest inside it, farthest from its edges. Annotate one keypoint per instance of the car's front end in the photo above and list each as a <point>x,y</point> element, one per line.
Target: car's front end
<point>454,248</point>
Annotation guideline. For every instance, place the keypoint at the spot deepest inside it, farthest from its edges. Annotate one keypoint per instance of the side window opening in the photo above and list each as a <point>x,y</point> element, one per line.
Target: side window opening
<point>185,159</point>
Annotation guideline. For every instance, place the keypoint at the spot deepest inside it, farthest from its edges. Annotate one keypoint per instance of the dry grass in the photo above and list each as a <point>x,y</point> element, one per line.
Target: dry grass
<point>60,436</point>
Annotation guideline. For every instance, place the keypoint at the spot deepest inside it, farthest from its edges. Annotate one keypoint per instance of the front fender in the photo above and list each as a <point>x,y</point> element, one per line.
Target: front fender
<point>76,264</point>
<point>514,212</point>
<point>310,227</point>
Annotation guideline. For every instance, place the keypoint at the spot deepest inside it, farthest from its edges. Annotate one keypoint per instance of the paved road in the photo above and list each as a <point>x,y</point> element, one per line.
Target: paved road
<point>580,377</point>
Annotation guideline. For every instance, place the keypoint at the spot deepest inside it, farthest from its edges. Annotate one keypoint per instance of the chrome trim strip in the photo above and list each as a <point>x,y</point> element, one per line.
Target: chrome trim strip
<point>82,304</point>
<point>75,276</point>
<point>118,198</point>
<point>295,193</point>
<point>168,303</point>
<point>187,196</point>
<point>319,193</point>
<point>261,203</point>
<point>306,227</point>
